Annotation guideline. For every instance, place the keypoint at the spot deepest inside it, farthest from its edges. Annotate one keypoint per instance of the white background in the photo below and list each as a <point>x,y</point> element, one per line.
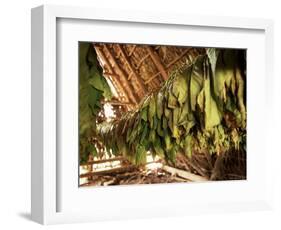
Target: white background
<point>15,114</point>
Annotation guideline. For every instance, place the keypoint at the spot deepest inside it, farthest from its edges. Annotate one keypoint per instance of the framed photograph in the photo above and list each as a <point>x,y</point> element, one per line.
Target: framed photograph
<point>143,114</point>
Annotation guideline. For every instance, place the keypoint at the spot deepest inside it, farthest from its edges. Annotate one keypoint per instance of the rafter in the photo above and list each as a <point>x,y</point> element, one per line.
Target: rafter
<point>138,78</point>
<point>130,89</point>
<point>155,58</point>
<point>112,72</point>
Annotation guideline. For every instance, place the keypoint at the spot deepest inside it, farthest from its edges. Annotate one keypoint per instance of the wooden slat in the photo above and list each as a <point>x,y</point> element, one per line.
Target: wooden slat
<point>184,174</point>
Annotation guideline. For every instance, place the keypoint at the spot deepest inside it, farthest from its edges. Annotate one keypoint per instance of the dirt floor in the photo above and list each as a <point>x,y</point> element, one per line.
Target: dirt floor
<point>135,176</point>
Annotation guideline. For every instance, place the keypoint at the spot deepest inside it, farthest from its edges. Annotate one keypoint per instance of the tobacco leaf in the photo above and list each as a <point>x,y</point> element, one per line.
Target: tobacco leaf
<point>200,108</point>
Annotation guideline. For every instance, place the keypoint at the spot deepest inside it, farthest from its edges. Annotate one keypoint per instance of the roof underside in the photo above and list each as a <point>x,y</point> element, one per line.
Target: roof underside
<point>136,70</point>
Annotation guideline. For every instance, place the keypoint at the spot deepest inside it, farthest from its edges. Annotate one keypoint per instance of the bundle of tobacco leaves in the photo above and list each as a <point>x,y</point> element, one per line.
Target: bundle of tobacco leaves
<point>201,107</point>
<point>92,88</point>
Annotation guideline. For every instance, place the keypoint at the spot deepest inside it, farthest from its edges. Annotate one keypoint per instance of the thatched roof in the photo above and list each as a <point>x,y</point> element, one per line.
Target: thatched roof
<point>136,70</point>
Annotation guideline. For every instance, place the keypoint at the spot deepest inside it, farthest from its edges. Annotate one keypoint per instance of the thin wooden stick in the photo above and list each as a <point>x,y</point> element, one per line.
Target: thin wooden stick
<point>183,174</point>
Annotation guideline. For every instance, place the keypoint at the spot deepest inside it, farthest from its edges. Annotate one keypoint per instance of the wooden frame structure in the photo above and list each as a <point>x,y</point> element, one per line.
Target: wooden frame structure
<point>136,70</point>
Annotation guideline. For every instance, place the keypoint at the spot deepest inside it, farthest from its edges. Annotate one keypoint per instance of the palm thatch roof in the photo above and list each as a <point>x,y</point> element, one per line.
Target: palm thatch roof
<point>136,70</point>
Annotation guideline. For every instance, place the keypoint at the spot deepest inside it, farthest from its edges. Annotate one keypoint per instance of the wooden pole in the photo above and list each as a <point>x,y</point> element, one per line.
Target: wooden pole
<point>130,89</point>
<point>112,74</point>
<point>184,174</point>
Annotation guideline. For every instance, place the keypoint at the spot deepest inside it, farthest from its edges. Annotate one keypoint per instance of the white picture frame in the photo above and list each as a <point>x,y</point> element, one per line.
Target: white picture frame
<point>50,187</point>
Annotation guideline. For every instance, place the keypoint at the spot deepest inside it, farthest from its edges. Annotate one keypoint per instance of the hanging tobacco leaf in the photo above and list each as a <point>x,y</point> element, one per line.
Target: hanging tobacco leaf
<point>92,88</point>
<point>200,108</point>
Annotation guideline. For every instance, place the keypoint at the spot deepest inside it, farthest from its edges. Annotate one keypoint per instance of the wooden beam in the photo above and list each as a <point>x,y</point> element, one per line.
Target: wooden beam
<point>130,90</point>
<point>184,174</point>
<point>155,58</point>
<point>138,78</point>
<point>113,74</point>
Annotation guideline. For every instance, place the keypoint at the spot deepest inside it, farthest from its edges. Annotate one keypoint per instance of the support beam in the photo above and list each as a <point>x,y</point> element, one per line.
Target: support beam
<point>184,174</point>
<point>138,78</point>
<point>155,58</point>
<point>130,89</point>
<point>112,72</point>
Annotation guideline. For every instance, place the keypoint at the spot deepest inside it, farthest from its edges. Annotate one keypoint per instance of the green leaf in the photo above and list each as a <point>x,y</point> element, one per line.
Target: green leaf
<point>144,113</point>
<point>140,155</point>
<point>180,89</point>
<point>188,145</point>
<point>159,105</point>
<point>168,143</point>
<point>158,147</point>
<point>151,111</point>
<point>172,101</point>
